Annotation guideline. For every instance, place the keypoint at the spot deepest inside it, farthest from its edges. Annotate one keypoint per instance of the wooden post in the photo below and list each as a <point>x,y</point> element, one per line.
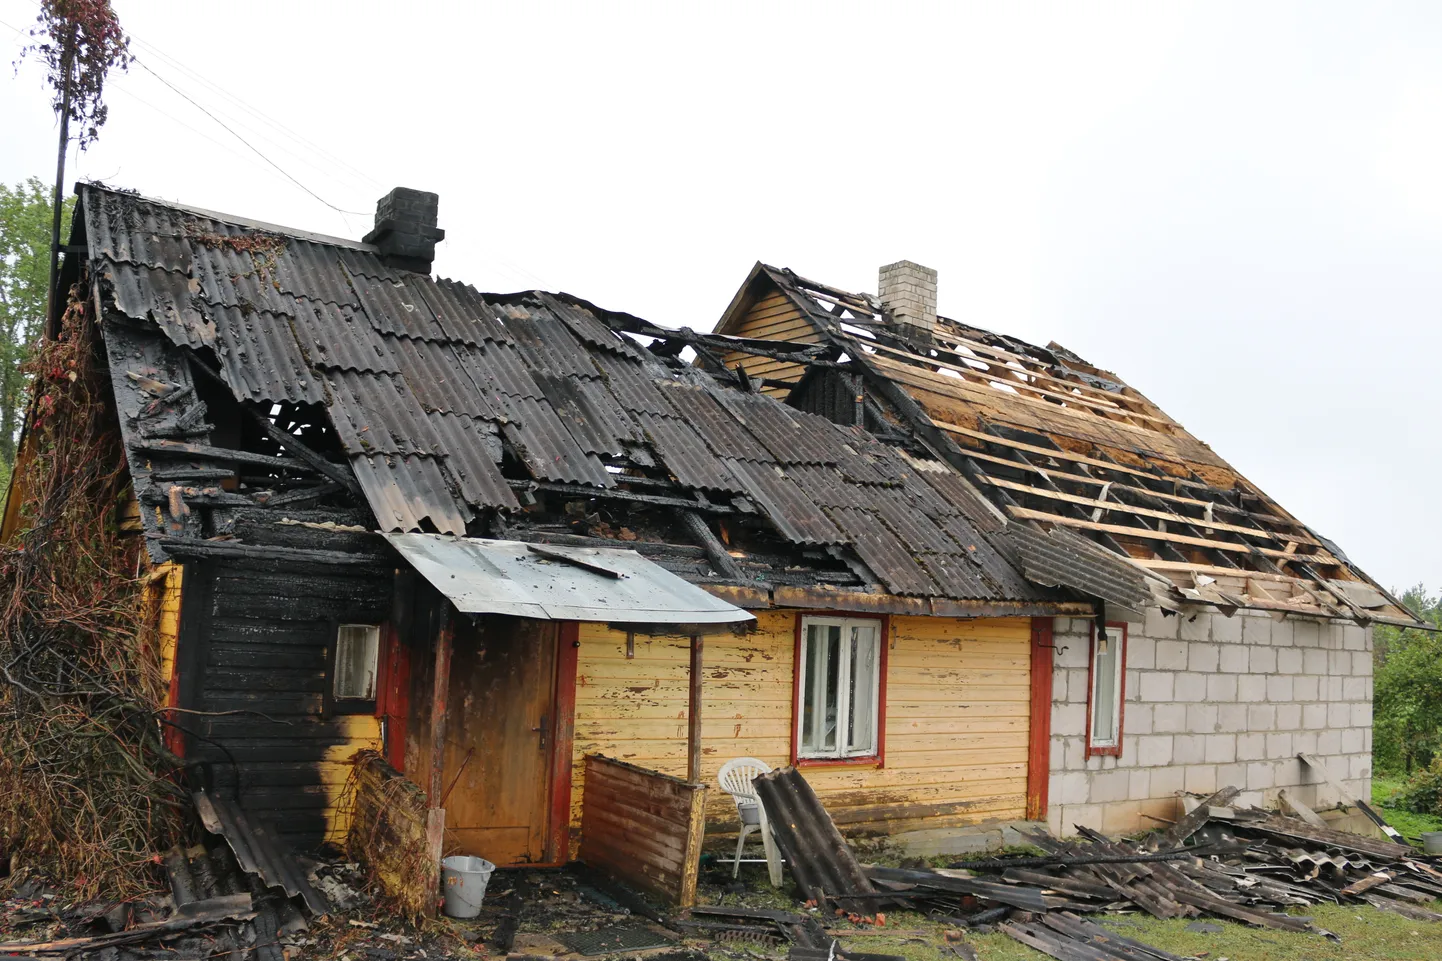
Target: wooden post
<point>436,815</point>
<point>1038,763</point>
<point>693,715</point>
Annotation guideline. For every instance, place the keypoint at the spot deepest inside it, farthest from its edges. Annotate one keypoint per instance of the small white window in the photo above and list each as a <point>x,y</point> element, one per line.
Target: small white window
<point>839,688</point>
<point>1105,707</point>
<point>357,650</point>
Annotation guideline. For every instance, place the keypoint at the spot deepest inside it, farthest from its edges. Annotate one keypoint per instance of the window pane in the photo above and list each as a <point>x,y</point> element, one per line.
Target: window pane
<point>356,649</point>
<point>818,699</point>
<point>861,737</point>
<point>1104,690</point>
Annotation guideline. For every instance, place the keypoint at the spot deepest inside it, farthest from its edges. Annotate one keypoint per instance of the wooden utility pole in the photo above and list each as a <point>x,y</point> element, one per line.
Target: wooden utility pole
<point>52,320</point>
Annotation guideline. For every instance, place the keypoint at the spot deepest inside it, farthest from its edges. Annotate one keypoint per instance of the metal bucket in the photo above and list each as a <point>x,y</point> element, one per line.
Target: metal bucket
<point>463,880</point>
<point>1432,842</point>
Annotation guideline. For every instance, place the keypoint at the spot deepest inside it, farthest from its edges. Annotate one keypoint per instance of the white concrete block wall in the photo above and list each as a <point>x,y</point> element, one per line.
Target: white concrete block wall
<point>1212,701</point>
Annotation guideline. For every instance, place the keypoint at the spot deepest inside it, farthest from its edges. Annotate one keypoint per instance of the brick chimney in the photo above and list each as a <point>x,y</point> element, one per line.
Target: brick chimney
<point>908,299</point>
<point>405,232</point>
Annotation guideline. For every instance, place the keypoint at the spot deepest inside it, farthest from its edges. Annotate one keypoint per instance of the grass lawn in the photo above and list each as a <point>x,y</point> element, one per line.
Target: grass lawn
<point>1411,825</point>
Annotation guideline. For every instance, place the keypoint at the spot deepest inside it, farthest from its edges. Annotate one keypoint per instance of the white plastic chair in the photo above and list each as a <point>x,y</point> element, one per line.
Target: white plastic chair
<point>735,779</point>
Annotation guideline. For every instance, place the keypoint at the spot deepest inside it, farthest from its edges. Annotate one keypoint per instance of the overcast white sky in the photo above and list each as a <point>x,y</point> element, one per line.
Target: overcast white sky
<point>1237,207</point>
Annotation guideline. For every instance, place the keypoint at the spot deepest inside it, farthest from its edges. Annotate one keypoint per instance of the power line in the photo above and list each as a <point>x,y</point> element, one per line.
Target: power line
<point>231,130</point>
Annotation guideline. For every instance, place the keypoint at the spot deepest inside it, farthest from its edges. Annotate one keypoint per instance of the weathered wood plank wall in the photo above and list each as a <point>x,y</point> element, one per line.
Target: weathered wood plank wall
<point>958,701</point>
<point>774,317</point>
<point>643,828</point>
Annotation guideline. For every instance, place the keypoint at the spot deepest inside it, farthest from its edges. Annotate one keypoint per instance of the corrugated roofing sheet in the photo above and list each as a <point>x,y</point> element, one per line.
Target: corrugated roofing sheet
<point>406,492</point>
<point>888,558</point>
<point>462,314</point>
<point>394,307</point>
<point>377,413</point>
<point>260,359</point>
<point>588,412</point>
<point>313,271</point>
<point>340,337</point>
<point>473,454</point>
<point>791,436</point>
<point>435,374</point>
<point>547,448</point>
<point>1060,558</point>
<point>716,425</point>
<point>795,515</point>
<point>681,451</point>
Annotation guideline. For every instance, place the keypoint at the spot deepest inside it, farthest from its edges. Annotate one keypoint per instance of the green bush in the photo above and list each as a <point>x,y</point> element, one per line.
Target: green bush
<point>1422,794</point>
<point>1407,691</point>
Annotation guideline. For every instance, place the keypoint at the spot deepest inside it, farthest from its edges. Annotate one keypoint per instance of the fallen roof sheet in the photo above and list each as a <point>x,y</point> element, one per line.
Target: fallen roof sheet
<point>559,583</point>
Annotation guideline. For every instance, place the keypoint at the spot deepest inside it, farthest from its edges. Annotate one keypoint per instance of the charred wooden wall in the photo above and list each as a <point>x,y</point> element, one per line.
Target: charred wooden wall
<point>254,658</point>
<point>644,828</point>
<point>957,718</point>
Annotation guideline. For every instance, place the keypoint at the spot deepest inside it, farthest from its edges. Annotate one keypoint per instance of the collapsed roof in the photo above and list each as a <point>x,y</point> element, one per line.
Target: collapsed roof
<point>1080,464</point>
<point>266,376</point>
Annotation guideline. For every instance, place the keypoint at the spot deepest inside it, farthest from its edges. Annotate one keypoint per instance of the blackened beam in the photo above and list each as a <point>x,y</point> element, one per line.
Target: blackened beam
<point>611,493</point>
<point>182,449</point>
<point>187,547</point>
<point>341,475</point>
<point>716,553</point>
<point>773,349</point>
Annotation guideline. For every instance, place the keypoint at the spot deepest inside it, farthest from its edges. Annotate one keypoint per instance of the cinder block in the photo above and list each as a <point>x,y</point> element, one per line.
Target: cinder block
<point>1059,686</point>
<point>1157,685</point>
<point>1138,719</point>
<point>1076,754</point>
<point>1160,625</point>
<point>1329,742</point>
<point>1082,626</point>
<point>1304,687</point>
<point>1083,815</point>
<point>1289,660</point>
<point>1251,747</point>
<point>1071,787</point>
<point>1129,751</point>
<point>1361,769</point>
<point>1333,684</point>
<point>1231,775</point>
<point>1305,742</point>
<point>1191,687</point>
<point>1172,655</point>
<point>1250,799</point>
<point>1367,740</point>
<point>1251,687</point>
<point>1262,717</point>
<point>1354,688</point>
<point>1339,715</point>
<point>1070,652</point>
<point>1279,745</point>
<point>1257,629</point>
<point>1362,714</point>
<point>1133,685</point>
<point>1141,785</point>
<point>1057,758</point>
<point>1260,776</point>
<point>1283,634</point>
<point>1227,630</point>
<point>1141,653</point>
<point>1202,718</point>
<point>1279,687</point>
<point>1169,718</point>
<point>1221,748</point>
<point>1202,658</point>
<point>1231,717</point>
<point>1314,716</point>
<point>1054,819</point>
<point>1339,662</point>
<point>1354,638</point>
<point>1123,818</point>
<point>1222,687</point>
<point>1367,642</point>
<point>1108,786</point>
<point>1167,781</point>
<point>1200,778</point>
<point>1289,717</point>
<point>1154,750</point>
<point>1189,749</point>
<point>1362,663</point>
<point>1068,718</point>
<point>1197,627</point>
<point>1235,658</point>
<point>1076,685</point>
<point>1264,660</point>
<point>1306,634</point>
<point>1352,740</point>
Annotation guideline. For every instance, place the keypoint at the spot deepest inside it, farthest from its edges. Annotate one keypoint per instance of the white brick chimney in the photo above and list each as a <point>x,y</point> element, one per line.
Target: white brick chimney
<point>908,298</point>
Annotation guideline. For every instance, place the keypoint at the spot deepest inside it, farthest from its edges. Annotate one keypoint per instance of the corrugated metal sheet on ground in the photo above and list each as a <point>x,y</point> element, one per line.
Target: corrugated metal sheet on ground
<point>794,514</point>
<point>1061,558</point>
<point>404,492</point>
<point>312,271</point>
<point>685,456</point>
<point>377,413</point>
<point>260,358</point>
<point>466,322</point>
<point>792,437</point>
<point>437,377</point>
<point>717,427</point>
<point>589,412</point>
<point>547,448</point>
<point>170,299</point>
<point>395,308</point>
<point>340,337</point>
<point>889,559</point>
<point>552,582</point>
<point>473,456</point>
<point>257,849</point>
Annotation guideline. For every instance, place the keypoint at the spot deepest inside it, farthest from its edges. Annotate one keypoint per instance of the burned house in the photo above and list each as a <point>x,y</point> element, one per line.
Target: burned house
<point>1230,637</point>
<point>495,538</point>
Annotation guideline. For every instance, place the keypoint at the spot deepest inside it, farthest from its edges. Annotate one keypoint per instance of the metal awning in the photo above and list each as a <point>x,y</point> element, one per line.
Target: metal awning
<point>551,582</point>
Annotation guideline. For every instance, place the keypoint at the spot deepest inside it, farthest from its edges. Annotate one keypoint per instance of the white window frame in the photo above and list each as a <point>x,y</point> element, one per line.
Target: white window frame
<point>843,694</point>
<point>1115,634</point>
<point>375,638</point>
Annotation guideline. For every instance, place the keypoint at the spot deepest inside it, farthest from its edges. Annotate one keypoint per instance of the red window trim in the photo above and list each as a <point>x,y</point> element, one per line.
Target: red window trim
<point>877,760</point>
<point>1116,749</point>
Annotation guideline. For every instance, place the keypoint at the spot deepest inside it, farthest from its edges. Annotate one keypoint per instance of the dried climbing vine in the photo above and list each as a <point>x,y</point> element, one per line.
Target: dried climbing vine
<point>87,792</point>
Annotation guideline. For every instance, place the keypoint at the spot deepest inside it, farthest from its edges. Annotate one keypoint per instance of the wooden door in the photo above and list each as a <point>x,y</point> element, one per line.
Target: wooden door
<point>500,731</point>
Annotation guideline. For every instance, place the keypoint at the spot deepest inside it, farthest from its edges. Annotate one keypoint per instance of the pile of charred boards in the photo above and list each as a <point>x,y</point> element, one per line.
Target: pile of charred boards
<point>1234,863</point>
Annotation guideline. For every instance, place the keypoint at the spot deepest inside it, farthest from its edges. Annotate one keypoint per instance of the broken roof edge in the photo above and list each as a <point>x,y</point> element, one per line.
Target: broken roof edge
<point>247,223</point>
<point>868,602</point>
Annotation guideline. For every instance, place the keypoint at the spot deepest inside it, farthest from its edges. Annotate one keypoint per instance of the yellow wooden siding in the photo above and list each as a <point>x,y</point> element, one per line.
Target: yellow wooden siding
<point>168,629</point>
<point>957,720</point>
<point>773,317</point>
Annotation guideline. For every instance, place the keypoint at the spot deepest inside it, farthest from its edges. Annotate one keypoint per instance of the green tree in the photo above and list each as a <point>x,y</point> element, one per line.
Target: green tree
<point>24,271</point>
<point>1407,689</point>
